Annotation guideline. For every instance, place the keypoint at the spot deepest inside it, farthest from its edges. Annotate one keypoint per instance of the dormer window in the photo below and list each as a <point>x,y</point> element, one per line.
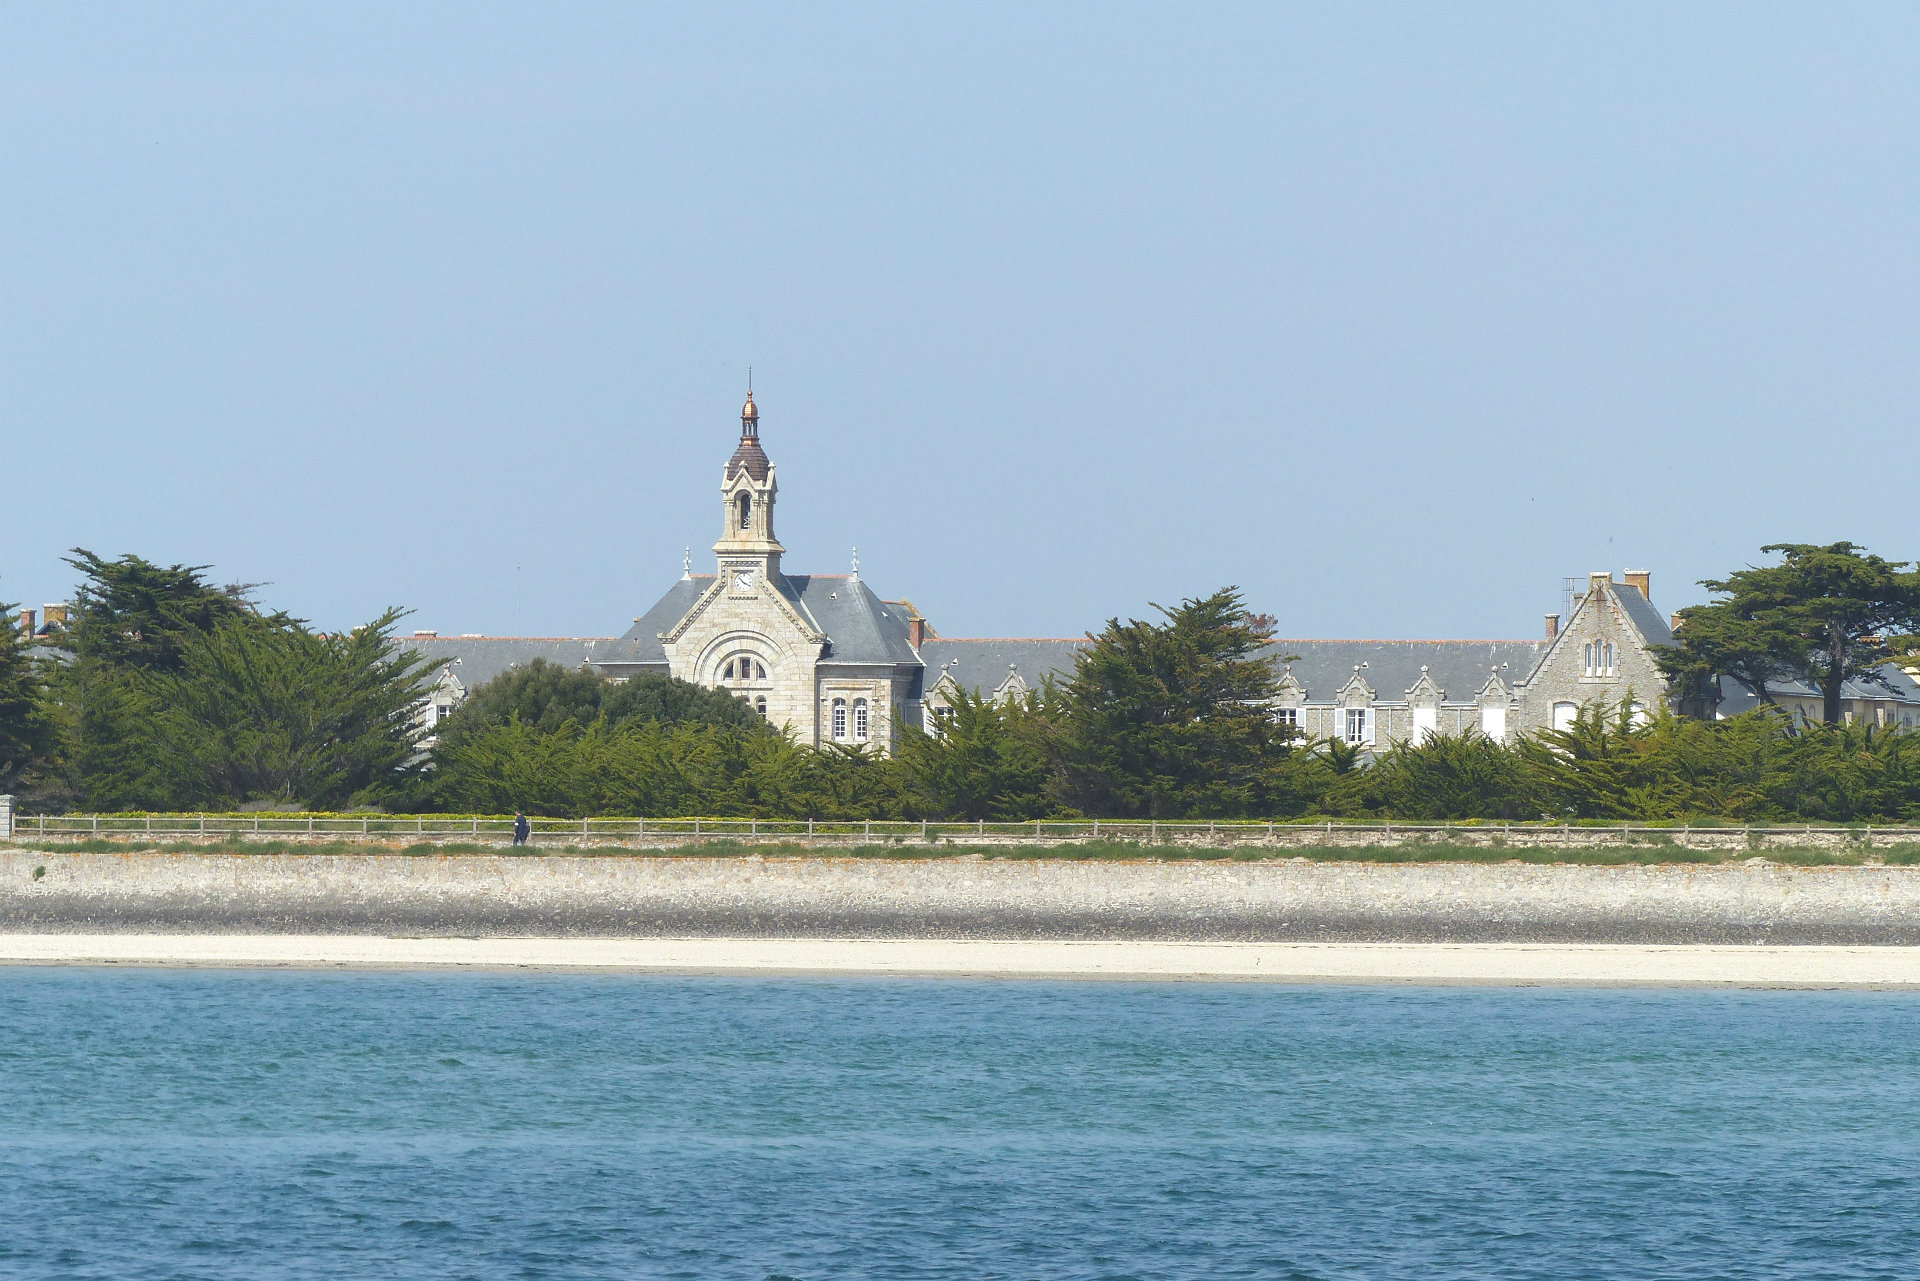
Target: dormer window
<point>746,511</point>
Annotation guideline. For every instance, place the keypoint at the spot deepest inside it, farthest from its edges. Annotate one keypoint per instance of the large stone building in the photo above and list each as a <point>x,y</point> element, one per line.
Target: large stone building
<point>830,660</point>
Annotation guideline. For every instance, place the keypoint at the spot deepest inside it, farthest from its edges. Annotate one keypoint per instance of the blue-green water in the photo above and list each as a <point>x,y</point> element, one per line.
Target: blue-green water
<point>260,1125</point>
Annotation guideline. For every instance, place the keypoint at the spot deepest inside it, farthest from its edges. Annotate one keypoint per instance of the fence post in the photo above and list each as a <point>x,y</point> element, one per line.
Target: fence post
<point>869,831</point>
<point>584,828</point>
<point>96,825</point>
<point>363,825</point>
<point>923,831</point>
<point>983,826</point>
<point>696,827</point>
<point>6,817</point>
<point>476,825</point>
<point>1096,829</point>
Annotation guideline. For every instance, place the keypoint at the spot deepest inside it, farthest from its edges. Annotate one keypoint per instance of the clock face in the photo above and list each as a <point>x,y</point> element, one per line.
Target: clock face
<point>743,580</point>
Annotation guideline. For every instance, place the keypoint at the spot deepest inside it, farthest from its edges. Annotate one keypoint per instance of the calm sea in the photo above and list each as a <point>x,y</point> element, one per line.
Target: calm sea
<point>261,1125</point>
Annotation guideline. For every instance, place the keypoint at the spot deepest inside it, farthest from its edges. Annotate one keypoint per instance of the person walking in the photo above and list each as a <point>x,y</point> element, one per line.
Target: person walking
<point>521,828</point>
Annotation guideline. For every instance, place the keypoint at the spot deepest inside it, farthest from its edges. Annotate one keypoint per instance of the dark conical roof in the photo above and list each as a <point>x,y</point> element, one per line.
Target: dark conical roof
<point>750,458</point>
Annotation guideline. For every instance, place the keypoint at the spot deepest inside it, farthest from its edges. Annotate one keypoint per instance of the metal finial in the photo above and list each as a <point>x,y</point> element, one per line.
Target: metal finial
<point>686,563</point>
<point>856,562</point>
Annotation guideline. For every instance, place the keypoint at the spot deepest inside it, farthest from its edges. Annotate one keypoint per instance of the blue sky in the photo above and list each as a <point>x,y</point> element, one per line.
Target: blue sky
<point>1393,315</point>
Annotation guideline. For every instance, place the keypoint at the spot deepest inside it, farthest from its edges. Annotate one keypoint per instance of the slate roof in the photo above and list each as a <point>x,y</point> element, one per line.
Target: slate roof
<point>862,627</point>
<point>1458,667</point>
<point>1651,622</point>
<point>475,660</point>
<point>1900,688</point>
<point>642,640</point>
<point>981,664</point>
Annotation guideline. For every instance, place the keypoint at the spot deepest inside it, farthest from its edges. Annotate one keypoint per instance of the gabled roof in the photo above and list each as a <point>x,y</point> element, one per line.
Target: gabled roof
<point>981,664</point>
<point>1459,667</point>
<point>1647,620</point>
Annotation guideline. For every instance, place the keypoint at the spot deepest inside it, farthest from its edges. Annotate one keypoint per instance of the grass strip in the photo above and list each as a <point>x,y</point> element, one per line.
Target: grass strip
<point>1412,851</point>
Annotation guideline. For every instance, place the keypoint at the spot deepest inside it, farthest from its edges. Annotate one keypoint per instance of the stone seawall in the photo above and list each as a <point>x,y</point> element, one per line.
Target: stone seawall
<point>956,898</point>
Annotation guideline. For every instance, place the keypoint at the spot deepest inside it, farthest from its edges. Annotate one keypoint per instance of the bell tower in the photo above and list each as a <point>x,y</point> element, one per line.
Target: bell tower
<point>748,553</point>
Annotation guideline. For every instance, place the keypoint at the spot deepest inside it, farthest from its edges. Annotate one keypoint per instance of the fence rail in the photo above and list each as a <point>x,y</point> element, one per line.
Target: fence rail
<point>657,832</point>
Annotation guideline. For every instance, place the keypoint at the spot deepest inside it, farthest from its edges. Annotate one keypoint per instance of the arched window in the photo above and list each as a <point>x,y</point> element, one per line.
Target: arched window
<point>746,511</point>
<point>726,673</point>
<point>1586,658</point>
<point>860,719</point>
<point>759,672</point>
<point>760,706</point>
<point>840,719</point>
<point>1607,667</point>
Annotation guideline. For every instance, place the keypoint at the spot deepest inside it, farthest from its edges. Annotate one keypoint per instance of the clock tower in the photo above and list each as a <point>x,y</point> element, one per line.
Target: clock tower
<point>748,552</point>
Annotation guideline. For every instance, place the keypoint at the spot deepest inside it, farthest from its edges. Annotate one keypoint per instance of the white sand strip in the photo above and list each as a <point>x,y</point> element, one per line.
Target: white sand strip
<point>1484,963</point>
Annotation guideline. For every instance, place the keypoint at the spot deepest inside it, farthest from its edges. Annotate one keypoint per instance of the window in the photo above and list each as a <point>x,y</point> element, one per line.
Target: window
<point>1493,722</point>
<point>746,511</point>
<point>760,706</point>
<point>840,719</point>
<point>1607,667</point>
<point>1356,724</point>
<point>1639,716</point>
<point>860,719</point>
<point>743,668</point>
<point>1426,723</point>
<point>1564,714</point>
<point>1596,658</point>
<point>1288,716</point>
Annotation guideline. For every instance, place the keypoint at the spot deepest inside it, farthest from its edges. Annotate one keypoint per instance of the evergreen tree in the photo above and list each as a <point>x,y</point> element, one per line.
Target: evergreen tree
<point>545,695</point>
<point>261,708</point>
<point>986,760</point>
<point>26,729</point>
<point>1173,719</point>
<point>1824,615</point>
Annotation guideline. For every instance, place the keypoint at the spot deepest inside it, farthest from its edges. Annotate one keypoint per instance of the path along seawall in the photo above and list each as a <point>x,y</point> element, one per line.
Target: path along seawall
<point>822,896</point>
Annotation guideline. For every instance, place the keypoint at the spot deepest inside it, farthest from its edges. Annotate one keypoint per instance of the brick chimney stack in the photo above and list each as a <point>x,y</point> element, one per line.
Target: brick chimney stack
<point>916,631</point>
<point>1553,626</point>
<point>56,615</point>
<point>26,622</point>
<point>1640,579</point>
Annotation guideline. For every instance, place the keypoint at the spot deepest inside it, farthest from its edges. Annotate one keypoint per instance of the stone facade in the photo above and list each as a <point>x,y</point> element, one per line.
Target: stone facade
<point>825,658</point>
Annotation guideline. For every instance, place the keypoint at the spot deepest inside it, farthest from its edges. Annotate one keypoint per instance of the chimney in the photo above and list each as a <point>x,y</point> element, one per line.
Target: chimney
<point>56,616</point>
<point>1674,622</point>
<point>426,635</point>
<point>916,631</point>
<point>26,622</point>
<point>1553,626</point>
<point>1641,580</point>
<point>1597,582</point>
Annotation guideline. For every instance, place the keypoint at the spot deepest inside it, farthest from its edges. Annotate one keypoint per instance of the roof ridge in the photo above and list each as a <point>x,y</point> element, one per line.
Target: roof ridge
<point>1403,640</point>
<point>1076,640</point>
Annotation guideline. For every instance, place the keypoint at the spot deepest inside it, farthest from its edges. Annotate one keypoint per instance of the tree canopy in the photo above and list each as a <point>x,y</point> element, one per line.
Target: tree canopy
<point>26,728</point>
<point>1173,719</point>
<point>545,695</point>
<point>1825,614</point>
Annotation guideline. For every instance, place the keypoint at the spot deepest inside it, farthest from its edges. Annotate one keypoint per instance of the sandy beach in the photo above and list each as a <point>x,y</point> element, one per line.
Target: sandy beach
<point>1413,963</point>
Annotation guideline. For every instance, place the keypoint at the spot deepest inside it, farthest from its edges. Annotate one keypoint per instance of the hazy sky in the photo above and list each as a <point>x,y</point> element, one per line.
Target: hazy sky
<point>1392,315</point>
